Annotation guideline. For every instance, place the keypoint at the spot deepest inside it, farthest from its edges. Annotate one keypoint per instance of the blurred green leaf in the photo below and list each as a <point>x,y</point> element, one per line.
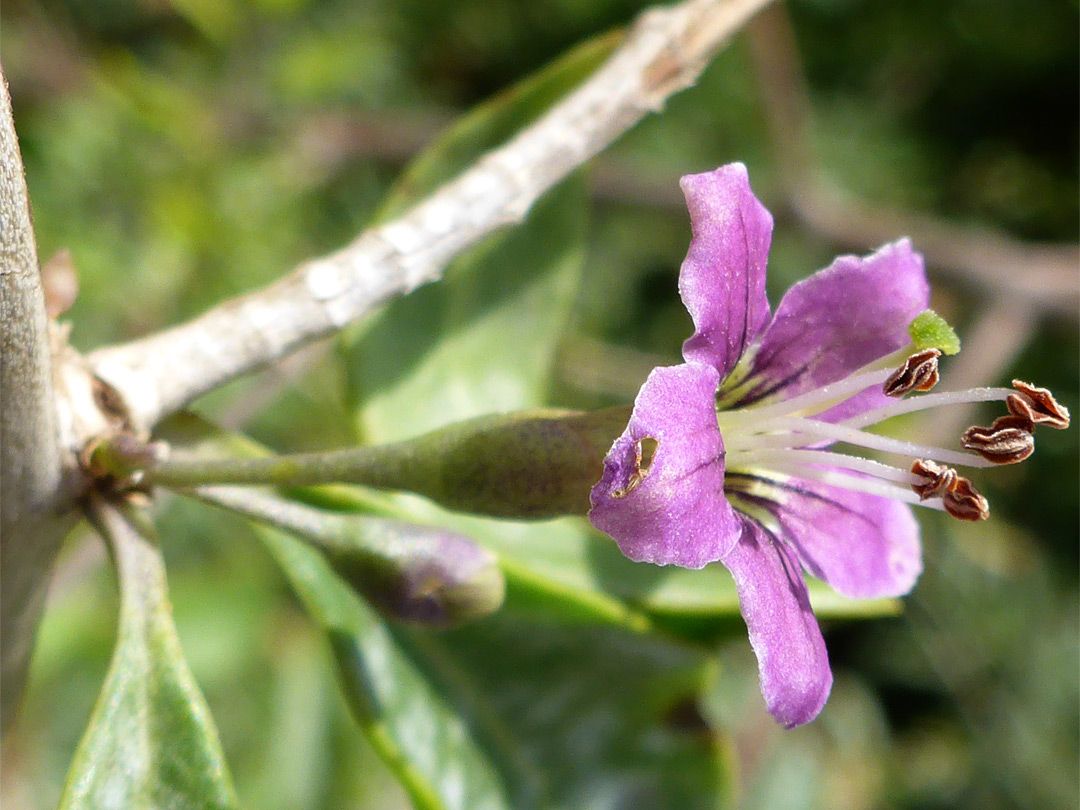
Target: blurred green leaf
<point>482,340</point>
<point>609,718</point>
<point>489,124</point>
<point>439,759</point>
<point>150,741</point>
<point>517,714</point>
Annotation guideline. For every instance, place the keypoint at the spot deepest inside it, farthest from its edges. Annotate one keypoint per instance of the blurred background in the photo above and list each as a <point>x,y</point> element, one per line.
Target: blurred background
<point>185,151</point>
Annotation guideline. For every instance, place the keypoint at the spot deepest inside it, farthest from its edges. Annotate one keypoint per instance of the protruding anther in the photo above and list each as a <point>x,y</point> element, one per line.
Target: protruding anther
<point>939,479</point>
<point>1007,441</point>
<point>918,373</point>
<point>960,498</point>
<point>1038,405</point>
<point>964,502</point>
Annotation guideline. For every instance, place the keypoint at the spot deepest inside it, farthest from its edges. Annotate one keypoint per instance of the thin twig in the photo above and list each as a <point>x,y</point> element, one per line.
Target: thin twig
<point>664,52</point>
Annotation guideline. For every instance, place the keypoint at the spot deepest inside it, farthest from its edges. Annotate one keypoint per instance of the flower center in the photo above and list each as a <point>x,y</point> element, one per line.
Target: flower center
<point>773,441</point>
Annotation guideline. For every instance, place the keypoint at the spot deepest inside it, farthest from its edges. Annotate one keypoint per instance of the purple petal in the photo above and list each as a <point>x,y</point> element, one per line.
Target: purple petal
<point>838,320</point>
<point>676,513</point>
<point>792,661</point>
<point>722,281</point>
<point>864,546</point>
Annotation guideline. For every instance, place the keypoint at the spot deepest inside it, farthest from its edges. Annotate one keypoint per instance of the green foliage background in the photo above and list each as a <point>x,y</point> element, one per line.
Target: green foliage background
<point>187,151</point>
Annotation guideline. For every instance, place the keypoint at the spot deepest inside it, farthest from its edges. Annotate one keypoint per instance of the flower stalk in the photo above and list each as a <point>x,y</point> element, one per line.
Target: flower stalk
<point>529,465</point>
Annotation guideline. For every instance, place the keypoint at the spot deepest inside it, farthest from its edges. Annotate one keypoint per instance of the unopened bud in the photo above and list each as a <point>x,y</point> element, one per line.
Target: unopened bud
<point>118,462</point>
<point>419,574</point>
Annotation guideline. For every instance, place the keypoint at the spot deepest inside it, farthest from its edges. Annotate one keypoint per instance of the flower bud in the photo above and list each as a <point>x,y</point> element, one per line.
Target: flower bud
<point>415,573</point>
<point>419,574</point>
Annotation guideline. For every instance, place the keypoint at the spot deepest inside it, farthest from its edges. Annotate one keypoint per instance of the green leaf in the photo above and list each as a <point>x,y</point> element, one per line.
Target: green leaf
<point>610,719</point>
<point>484,338</point>
<point>150,742</point>
<point>443,761</point>
<point>517,714</point>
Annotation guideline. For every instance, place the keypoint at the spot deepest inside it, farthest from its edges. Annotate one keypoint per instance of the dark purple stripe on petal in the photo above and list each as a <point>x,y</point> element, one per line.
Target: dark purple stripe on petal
<point>841,318</point>
<point>864,546</point>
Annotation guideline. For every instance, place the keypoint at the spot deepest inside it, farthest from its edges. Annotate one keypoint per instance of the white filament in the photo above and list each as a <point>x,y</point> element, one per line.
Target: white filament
<point>766,458</point>
<point>868,486</point>
<point>913,404</point>
<point>849,435</point>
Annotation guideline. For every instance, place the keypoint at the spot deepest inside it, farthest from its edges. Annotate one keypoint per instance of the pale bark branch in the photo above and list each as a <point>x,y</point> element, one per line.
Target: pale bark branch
<point>30,465</point>
<point>664,52</point>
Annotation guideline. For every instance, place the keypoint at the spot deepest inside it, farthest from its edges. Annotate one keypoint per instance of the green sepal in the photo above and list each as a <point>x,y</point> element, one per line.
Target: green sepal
<point>930,331</point>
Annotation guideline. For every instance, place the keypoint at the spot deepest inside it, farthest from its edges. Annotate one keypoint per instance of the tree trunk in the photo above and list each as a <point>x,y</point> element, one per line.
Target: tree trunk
<point>31,527</point>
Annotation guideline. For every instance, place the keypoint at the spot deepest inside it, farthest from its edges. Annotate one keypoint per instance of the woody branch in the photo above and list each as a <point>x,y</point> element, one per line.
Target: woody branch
<point>664,52</point>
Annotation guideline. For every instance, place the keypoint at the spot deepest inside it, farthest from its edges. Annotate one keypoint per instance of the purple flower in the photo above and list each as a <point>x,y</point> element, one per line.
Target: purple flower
<point>729,456</point>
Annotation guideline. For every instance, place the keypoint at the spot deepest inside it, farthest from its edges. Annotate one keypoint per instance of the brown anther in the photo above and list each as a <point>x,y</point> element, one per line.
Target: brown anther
<point>1038,405</point>
<point>939,479</point>
<point>644,450</point>
<point>964,502</point>
<point>918,373</point>
<point>1007,441</point>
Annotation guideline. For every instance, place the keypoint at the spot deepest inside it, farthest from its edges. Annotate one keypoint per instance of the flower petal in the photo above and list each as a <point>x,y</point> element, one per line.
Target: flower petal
<point>793,663</point>
<point>670,509</point>
<point>838,320</point>
<point>864,546</point>
<point>722,280</point>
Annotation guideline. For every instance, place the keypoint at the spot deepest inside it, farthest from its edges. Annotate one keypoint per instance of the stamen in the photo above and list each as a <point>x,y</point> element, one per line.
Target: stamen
<point>843,432</point>
<point>811,402</point>
<point>918,373</point>
<point>964,502</point>
<point>1038,405</point>
<point>827,458</point>
<point>1007,441</point>
<point>836,478</point>
<point>929,401</point>
<point>937,480</point>
<point>644,451</point>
